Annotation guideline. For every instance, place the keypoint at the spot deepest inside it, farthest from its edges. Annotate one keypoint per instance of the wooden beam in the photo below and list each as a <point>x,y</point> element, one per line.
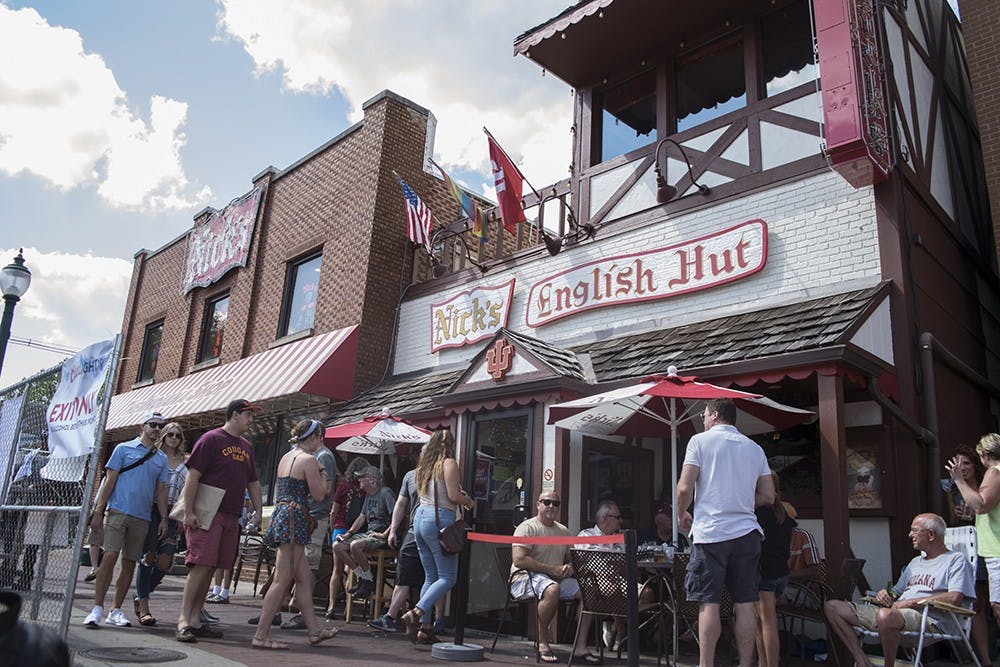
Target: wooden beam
<point>833,467</point>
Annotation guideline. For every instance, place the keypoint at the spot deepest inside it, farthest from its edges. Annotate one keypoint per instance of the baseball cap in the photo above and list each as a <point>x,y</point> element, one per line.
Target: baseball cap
<point>240,405</point>
<point>152,417</point>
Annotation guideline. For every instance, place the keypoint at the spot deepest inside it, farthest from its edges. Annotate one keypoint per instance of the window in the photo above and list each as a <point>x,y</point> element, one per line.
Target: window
<point>216,313</point>
<point>301,287</point>
<point>786,36</point>
<point>710,83</point>
<point>628,120</point>
<point>150,351</point>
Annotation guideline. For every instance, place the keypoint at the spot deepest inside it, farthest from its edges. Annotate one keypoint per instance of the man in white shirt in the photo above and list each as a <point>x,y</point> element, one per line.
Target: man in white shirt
<point>726,475</point>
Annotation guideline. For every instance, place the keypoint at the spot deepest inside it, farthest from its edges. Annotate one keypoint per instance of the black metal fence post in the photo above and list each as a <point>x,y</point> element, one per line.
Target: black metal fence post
<point>632,592</point>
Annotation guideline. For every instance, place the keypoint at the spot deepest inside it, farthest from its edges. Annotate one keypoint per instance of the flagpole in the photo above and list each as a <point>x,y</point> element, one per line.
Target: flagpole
<point>513,163</point>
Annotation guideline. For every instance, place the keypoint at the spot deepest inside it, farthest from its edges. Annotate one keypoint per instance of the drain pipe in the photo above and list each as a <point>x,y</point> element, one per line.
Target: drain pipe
<point>929,346</point>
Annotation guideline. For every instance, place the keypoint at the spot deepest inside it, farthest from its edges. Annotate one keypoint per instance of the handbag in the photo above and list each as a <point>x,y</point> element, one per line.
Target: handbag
<point>206,505</point>
<point>451,538</point>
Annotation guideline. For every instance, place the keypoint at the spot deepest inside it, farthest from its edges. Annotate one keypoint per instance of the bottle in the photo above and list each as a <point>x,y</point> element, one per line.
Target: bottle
<point>890,591</point>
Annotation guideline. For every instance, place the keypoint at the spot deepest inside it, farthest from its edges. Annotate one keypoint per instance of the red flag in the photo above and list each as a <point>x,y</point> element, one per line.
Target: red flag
<point>508,182</point>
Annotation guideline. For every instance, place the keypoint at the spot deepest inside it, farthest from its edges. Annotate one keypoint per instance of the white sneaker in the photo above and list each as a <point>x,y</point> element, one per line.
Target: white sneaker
<point>116,617</point>
<point>93,619</point>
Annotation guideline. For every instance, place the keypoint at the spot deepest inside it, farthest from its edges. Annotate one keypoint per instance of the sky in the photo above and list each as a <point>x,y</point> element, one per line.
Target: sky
<point>123,119</point>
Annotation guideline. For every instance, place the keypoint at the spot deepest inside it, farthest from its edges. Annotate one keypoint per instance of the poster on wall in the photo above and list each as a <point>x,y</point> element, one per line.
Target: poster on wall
<point>713,260</point>
<point>222,242</point>
<point>864,479</point>
<point>470,316</point>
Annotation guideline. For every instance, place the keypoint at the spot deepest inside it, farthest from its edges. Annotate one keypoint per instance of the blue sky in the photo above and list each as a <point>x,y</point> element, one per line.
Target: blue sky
<point>123,119</point>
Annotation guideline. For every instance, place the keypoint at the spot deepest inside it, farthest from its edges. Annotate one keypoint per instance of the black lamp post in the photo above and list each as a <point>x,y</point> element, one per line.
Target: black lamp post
<point>14,281</point>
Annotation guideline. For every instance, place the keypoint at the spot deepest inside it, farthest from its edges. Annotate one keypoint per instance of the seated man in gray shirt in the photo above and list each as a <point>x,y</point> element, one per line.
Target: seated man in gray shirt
<point>937,574</point>
<point>376,516</point>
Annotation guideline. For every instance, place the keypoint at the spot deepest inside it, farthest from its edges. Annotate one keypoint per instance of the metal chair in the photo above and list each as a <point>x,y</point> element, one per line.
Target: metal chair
<point>253,549</point>
<point>603,588</point>
<point>505,563</point>
<point>963,540</point>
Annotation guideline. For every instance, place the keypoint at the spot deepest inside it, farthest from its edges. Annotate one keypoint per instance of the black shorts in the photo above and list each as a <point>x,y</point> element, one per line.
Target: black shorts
<point>732,564</point>
<point>409,571</point>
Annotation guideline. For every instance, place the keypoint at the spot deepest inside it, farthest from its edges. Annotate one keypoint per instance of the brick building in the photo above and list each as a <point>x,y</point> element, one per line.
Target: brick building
<point>306,317</point>
<point>840,259</point>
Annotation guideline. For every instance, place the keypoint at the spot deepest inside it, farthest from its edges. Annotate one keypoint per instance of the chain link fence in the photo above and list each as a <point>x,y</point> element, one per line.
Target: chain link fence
<point>44,501</point>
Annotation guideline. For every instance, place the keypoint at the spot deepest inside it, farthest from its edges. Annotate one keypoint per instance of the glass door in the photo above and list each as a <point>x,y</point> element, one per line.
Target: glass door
<point>621,473</point>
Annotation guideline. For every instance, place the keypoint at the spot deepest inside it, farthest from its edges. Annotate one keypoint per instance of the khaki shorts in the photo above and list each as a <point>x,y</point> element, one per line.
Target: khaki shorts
<point>314,550</point>
<point>124,534</point>
<point>534,586</point>
<point>911,617</point>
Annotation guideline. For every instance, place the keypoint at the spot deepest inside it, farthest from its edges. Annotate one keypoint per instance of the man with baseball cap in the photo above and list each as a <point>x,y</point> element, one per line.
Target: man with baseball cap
<point>224,459</point>
<point>135,475</point>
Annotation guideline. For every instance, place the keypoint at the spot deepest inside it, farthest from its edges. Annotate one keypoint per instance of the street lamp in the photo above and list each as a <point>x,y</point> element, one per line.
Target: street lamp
<point>14,281</point>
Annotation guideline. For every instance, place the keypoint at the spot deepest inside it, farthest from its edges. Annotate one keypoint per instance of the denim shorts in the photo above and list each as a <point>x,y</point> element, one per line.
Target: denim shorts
<point>409,571</point>
<point>776,586</point>
<point>731,564</point>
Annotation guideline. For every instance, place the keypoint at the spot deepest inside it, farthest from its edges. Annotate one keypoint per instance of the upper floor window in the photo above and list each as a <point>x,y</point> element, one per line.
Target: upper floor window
<point>298,308</point>
<point>150,351</point>
<point>628,120</point>
<point>710,82</point>
<point>787,48</point>
<point>216,314</point>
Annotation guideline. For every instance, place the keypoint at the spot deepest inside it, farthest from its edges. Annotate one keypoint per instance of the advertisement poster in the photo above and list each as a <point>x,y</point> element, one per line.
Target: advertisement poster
<point>74,410</point>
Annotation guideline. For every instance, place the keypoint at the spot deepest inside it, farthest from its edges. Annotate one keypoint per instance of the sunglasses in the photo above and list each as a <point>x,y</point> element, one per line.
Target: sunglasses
<point>155,425</point>
<point>173,435</point>
<point>551,503</point>
<point>615,516</point>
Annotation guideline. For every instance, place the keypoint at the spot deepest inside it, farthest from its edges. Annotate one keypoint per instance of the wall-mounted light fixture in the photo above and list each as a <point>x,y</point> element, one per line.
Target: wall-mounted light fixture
<point>577,231</point>
<point>441,235</point>
<point>664,191</point>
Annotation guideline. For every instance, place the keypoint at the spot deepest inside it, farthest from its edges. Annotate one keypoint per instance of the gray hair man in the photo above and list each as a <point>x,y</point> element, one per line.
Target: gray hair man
<point>354,546</point>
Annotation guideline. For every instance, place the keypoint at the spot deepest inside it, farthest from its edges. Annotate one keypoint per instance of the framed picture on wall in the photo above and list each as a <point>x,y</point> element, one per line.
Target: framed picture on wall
<point>864,478</point>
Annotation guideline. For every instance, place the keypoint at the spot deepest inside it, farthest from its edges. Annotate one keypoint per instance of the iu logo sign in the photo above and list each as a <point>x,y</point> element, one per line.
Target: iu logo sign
<point>499,358</point>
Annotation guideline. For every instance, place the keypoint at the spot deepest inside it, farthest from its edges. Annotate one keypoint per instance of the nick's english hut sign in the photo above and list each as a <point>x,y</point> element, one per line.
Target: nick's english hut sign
<point>709,261</point>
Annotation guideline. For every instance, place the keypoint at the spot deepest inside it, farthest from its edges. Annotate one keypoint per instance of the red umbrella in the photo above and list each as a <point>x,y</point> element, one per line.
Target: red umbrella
<point>668,400</point>
<point>377,434</point>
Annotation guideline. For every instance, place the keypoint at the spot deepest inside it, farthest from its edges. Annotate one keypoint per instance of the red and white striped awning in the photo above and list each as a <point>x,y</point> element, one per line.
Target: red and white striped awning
<point>319,366</point>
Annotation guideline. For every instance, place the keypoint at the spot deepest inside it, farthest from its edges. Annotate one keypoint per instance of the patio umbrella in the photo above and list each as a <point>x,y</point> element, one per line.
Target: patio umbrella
<point>668,400</point>
<point>377,434</point>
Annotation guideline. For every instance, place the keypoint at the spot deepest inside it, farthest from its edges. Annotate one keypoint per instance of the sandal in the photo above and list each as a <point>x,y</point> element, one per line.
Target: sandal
<point>588,658</point>
<point>185,635</point>
<point>147,619</point>
<point>322,636</point>
<point>547,656</point>
<point>412,622</point>
<point>426,636</point>
<point>268,643</point>
<point>330,615</point>
<point>91,575</point>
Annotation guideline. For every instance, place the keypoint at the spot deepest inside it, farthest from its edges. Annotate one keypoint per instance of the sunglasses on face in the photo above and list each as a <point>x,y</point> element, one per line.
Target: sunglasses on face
<point>155,425</point>
<point>551,503</point>
<point>173,435</point>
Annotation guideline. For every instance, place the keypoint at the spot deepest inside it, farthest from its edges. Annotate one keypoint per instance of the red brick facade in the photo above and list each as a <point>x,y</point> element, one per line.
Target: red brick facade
<point>342,199</point>
<point>980,27</point>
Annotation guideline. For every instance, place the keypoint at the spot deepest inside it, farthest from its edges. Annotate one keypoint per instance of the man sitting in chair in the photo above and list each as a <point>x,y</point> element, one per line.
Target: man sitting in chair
<point>941,574</point>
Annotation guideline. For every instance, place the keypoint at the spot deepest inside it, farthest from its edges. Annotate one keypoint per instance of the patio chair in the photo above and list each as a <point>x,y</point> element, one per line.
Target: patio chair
<point>963,540</point>
<point>254,550</point>
<point>603,589</point>
<point>505,561</point>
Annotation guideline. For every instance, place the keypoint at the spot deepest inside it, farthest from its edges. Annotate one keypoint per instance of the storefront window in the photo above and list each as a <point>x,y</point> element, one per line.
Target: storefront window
<point>795,455</point>
<point>267,434</point>
<point>786,36</point>
<point>628,120</point>
<point>216,314</point>
<point>711,82</point>
<point>301,288</point>
<point>150,351</point>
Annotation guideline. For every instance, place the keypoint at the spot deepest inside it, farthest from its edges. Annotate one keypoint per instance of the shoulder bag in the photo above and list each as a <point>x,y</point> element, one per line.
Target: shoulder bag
<point>452,538</point>
<point>135,464</point>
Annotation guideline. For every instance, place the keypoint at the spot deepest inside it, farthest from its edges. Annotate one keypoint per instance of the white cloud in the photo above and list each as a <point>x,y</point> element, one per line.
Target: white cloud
<point>66,120</point>
<point>73,301</point>
<point>453,57</point>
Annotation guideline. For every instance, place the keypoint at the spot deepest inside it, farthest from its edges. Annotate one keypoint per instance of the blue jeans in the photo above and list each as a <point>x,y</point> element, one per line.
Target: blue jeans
<point>440,569</point>
<point>148,577</point>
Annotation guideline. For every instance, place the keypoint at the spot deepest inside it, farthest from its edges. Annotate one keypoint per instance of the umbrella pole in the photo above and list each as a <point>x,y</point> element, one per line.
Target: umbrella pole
<point>673,466</point>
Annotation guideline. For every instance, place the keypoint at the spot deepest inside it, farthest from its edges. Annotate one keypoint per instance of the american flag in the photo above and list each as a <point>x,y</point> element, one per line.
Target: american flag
<point>418,217</point>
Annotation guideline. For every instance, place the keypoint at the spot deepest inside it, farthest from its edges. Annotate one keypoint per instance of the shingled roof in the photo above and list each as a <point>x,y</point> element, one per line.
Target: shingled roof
<point>406,396</point>
<point>763,333</point>
<point>564,362</point>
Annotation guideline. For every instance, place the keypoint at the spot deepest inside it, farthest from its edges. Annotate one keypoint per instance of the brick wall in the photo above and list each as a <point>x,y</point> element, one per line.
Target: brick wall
<point>342,199</point>
<point>980,27</point>
<point>822,239</point>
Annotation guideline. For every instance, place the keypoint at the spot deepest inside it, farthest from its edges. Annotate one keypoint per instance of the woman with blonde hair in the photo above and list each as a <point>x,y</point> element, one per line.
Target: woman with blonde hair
<point>299,476</point>
<point>440,488</point>
<point>158,553</point>
<point>985,502</point>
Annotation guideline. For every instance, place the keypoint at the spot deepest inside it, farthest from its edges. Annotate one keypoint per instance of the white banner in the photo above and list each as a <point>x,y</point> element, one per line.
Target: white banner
<point>74,410</point>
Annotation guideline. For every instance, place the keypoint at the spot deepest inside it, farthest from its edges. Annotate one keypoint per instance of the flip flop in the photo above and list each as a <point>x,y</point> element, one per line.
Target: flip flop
<point>547,656</point>
<point>588,658</point>
<point>322,636</point>
<point>146,619</point>
<point>268,644</point>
